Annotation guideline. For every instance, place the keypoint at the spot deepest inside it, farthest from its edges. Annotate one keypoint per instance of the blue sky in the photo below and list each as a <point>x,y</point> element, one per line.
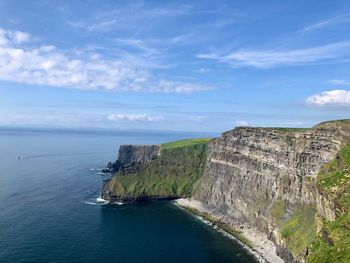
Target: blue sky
<point>173,65</point>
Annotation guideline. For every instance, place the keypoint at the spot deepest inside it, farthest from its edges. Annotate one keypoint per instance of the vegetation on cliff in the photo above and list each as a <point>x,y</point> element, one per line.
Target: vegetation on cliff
<point>333,242</point>
<point>174,173</point>
<point>306,234</point>
<point>299,231</point>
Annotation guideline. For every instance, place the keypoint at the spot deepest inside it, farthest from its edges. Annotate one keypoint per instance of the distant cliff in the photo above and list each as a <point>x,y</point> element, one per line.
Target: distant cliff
<point>131,158</point>
<point>165,171</point>
<point>293,184</point>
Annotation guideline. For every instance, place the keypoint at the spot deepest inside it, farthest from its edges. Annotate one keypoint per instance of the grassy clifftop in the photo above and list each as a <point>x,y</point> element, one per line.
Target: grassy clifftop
<point>174,173</point>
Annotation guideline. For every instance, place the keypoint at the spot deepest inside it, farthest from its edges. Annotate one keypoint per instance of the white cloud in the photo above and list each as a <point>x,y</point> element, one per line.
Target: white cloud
<point>134,117</point>
<point>272,58</point>
<point>14,37</point>
<point>329,22</point>
<point>50,66</point>
<point>129,16</point>
<point>330,98</point>
<point>178,87</point>
<point>339,82</point>
<point>242,123</point>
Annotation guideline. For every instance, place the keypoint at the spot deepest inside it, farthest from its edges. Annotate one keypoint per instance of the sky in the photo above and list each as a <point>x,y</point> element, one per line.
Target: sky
<point>173,65</point>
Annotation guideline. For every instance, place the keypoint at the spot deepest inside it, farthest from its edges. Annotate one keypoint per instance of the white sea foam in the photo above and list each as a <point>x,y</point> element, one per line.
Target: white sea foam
<point>92,169</point>
<point>97,201</point>
<point>89,203</point>
<point>101,200</point>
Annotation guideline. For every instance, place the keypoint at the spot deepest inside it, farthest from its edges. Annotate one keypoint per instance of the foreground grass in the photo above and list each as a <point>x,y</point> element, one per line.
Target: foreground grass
<point>299,231</point>
<point>333,242</point>
<point>334,178</point>
<point>174,173</point>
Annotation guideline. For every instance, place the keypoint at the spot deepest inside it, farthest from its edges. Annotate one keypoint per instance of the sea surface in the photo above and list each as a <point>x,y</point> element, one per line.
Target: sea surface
<point>50,211</point>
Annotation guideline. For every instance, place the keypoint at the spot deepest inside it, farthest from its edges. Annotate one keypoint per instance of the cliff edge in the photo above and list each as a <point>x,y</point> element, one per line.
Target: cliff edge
<point>166,171</point>
<point>292,184</point>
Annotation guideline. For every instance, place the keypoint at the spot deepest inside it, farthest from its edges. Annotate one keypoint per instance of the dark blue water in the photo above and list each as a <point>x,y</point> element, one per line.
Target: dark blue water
<point>49,212</point>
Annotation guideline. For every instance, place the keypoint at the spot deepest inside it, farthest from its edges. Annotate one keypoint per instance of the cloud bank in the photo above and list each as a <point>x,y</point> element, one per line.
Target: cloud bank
<point>47,65</point>
<point>134,117</point>
<point>330,98</point>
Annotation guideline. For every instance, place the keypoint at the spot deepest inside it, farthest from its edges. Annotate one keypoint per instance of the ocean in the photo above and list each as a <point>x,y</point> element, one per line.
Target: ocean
<point>50,182</point>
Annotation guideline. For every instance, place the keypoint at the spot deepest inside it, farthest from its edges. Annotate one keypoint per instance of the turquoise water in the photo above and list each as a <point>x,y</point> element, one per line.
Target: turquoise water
<point>49,212</point>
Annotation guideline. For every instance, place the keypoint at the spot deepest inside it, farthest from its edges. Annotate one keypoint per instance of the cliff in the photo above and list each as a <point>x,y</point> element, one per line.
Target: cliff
<point>156,172</point>
<point>131,158</point>
<point>268,177</point>
<point>293,184</point>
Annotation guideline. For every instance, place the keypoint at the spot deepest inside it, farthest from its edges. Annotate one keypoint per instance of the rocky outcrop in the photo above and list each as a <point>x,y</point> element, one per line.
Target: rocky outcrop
<point>263,175</point>
<point>131,157</point>
<point>146,173</point>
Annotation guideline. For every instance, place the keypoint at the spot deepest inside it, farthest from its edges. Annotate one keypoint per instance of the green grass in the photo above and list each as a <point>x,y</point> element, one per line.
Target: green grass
<point>172,174</point>
<point>333,243</point>
<point>341,121</point>
<point>299,231</point>
<point>184,143</point>
<point>334,178</point>
<point>278,210</point>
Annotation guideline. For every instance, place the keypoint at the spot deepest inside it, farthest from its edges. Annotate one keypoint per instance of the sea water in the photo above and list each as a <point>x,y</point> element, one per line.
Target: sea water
<point>50,210</point>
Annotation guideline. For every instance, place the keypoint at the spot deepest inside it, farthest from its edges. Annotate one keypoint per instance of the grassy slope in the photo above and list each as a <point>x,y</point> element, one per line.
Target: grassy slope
<point>172,174</point>
<point>333,243</point>
<point>184,143</point>
<point>340,122</point>
<point>299,230</point>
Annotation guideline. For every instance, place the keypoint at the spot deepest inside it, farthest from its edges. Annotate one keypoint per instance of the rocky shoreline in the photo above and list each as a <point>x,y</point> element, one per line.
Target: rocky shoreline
<point>254,240</point>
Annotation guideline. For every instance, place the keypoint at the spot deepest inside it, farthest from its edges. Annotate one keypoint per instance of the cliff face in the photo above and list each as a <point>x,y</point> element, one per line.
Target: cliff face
<point>137,153</point>
<point>131,157</point>
<point>293,184</point>
<point>156,172</point>
<point>267,177</point>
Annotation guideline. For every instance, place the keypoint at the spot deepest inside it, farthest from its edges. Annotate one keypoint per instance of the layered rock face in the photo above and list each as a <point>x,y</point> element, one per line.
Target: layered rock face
<point>137,153</point>
<point>251,171</point>
<point>131,157</point>
<point>268,177</point>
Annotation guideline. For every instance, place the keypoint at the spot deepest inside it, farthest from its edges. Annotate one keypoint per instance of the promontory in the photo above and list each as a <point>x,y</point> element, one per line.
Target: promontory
<point>292,184</point>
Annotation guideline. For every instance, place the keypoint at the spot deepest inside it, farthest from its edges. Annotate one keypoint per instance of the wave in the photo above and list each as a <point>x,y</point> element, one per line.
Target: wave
<point>90,203</point>
<point>100,173</point>
<point>96,201</point>
<point>101,200</point>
